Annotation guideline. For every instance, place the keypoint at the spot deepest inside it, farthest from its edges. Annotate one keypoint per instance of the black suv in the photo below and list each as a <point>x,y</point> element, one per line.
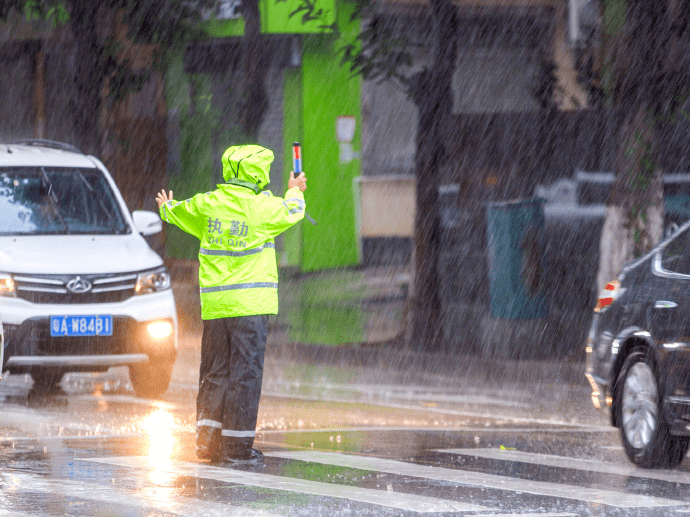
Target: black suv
<point>638,353</point>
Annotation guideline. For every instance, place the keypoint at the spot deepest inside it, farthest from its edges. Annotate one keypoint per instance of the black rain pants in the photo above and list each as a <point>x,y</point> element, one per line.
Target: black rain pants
<point>230,376</point>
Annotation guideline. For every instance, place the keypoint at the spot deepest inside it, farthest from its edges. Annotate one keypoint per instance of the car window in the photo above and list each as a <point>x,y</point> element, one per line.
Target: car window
<point>57,200</point>
<point>676,254</point>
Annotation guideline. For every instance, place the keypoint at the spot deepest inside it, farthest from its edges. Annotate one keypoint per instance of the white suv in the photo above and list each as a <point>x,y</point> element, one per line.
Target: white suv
<point>80,288</point>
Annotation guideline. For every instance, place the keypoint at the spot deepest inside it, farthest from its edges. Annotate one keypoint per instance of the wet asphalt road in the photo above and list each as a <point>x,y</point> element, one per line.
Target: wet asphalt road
<point>338,441</point>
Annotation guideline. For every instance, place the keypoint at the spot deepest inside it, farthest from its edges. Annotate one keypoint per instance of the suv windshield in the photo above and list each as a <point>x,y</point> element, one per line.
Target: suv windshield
<point>57,200</point>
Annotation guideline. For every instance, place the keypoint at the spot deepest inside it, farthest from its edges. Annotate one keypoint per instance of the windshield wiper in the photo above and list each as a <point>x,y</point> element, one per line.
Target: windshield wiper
<point>113,223</point>
<point>53,200</point>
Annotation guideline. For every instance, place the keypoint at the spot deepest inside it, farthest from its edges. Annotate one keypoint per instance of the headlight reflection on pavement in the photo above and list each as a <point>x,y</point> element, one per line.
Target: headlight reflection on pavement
<point>159,427</point>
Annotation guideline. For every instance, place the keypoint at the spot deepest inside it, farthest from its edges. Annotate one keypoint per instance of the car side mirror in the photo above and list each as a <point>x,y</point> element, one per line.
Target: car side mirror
<point>146,222</point>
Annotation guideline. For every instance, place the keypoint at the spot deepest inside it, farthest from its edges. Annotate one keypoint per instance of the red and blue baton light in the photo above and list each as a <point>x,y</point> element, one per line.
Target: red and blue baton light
<point>296,158</point>
<point>297,169</point>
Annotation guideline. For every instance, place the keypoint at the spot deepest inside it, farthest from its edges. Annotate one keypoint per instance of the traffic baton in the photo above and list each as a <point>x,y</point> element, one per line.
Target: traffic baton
<point>296,158</point>
<point>297,169</point>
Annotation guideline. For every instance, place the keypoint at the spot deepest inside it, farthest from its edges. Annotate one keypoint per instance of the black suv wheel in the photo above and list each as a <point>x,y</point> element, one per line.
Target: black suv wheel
<point>644,431</point>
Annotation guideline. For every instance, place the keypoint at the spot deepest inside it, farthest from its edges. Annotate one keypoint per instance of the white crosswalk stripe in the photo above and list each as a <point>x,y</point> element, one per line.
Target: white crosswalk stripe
<point>590,495</point>
<point>11,513</point>
<point>573,463</point>
<point>401,501</point>
<point>524,515</point>
<point>165,497</point>
<point>113,497</point>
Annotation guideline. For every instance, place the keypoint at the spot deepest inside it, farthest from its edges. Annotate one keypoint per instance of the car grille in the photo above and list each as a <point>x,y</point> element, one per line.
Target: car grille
<point>53,289</point>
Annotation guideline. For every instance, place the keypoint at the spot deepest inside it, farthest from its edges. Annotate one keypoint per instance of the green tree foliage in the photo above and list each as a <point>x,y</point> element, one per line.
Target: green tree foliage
<point>645,76</point>
<point>638,66</point>
<point>167,24</point>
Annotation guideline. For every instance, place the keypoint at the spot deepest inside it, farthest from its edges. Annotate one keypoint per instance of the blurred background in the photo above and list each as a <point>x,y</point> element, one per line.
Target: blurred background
<point>461,155</point>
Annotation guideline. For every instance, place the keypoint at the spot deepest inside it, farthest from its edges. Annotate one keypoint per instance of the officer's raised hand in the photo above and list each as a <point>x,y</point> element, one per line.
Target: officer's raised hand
<point>163,198</point>
<point>300,181</point>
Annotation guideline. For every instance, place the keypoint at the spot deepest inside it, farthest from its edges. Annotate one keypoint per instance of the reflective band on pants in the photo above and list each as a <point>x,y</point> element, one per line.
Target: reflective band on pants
<point>238,434</point>
<point>209,423</point>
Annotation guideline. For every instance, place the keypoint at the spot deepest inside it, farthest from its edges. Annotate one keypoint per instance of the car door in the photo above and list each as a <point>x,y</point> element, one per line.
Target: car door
<point>670,312</point>
<point>2,347</point>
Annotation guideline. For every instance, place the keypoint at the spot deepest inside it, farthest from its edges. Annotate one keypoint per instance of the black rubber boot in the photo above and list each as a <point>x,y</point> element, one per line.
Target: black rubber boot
<point>239,452</point>
<point>253,458</point>
<point>208,443</point>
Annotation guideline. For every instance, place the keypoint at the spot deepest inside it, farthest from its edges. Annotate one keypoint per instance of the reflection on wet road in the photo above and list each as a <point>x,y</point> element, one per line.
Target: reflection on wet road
<point>332,448</point>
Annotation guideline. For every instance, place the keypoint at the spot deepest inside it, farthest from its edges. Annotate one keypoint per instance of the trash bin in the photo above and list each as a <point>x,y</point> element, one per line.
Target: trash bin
<point>515,235</point>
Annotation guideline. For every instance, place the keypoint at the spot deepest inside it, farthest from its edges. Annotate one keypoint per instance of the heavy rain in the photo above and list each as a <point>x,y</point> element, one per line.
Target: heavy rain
<point>478,303</point>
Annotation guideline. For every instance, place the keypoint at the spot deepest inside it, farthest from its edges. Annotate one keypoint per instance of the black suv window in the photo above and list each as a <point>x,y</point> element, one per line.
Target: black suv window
<point>57,200</point>
<point>676,255</point>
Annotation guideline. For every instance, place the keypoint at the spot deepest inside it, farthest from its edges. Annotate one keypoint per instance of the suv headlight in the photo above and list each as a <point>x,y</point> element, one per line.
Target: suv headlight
<point>153,281</point>
<point>7,287</point>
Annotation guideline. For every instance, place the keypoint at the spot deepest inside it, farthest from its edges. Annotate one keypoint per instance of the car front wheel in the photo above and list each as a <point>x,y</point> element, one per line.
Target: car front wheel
<point>150,380</point>
<point>644,431</point>
<point>46,380</point>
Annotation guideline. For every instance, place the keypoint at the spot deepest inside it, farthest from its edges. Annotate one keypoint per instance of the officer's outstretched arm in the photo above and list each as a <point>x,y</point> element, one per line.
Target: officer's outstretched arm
<point>183,214</point>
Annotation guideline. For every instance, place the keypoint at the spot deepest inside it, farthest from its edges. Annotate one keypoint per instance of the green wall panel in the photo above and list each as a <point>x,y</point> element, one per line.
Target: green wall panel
<point>291,253</point>
<point>281,17</point>
<point>329,91</point>
<point>297,16</point>
<point>315,94</point>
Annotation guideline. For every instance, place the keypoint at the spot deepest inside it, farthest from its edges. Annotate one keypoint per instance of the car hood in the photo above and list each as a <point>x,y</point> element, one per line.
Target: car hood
<point>74,254</point>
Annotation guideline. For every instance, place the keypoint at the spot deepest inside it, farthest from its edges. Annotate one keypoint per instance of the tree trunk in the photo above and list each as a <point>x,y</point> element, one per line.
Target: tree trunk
<point>641,83</point>
<point>254,99</point>
<point>432,94</point>
<point>88,79</point>
<point>635,215</point>
<point>426,330</point>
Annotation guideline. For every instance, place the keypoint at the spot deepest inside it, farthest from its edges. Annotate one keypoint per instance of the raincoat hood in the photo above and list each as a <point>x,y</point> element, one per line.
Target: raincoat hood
<point>247,166</point>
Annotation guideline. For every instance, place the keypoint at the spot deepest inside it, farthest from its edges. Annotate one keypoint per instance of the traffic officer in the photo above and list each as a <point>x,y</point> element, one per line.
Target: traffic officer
<point>238,282</point>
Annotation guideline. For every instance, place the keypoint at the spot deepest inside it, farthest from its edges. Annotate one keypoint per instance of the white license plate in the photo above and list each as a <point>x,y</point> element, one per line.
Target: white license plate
<point>81,325</point>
